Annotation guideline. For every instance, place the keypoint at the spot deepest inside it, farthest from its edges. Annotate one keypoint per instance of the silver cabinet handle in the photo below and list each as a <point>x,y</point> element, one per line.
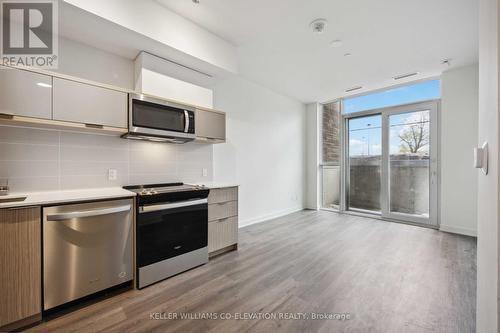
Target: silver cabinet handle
<point>88,213</point>
<point>154,208</point>
<point>94,126</point>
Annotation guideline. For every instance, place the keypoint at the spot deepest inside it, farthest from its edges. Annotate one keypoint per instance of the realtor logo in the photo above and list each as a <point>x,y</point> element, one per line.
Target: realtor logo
<point>29,33</point>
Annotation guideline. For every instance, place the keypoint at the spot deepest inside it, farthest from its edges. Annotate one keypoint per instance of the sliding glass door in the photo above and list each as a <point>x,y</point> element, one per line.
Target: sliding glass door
<point>392,163</point>
<point>410,168</point>
<point>365,163</point>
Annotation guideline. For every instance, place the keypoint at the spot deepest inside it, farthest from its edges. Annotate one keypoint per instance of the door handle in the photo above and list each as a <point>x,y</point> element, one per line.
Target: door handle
<point>88,213</point>
<point>433,176</point>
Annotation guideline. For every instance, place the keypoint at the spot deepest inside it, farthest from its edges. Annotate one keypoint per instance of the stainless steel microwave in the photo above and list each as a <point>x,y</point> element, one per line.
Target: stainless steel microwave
<point>159,120</point>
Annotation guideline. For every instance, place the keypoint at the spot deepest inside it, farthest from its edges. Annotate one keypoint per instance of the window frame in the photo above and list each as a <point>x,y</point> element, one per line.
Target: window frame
<point>343,139</point>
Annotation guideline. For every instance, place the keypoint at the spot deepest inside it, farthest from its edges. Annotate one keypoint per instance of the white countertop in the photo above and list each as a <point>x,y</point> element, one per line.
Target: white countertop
<point>217,184</point>
<point>67,196</point>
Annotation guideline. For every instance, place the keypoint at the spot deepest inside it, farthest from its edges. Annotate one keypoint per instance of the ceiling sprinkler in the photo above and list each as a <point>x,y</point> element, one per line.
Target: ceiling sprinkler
<point>318,26</point>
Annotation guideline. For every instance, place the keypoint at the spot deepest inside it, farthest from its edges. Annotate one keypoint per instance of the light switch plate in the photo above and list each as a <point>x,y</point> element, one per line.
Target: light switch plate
<point>112,174</point>
<point>204,172</point>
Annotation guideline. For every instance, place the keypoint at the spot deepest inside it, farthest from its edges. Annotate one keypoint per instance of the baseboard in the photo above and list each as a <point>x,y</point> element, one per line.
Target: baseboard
<point>458,230</point>
<point>267,217</point>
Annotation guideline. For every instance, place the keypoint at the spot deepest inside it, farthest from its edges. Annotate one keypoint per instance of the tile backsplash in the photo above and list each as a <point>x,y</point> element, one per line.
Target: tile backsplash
<point>44,160</point>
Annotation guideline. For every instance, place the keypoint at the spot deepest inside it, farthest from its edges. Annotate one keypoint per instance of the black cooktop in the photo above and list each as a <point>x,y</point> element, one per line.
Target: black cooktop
<point>168,192</point>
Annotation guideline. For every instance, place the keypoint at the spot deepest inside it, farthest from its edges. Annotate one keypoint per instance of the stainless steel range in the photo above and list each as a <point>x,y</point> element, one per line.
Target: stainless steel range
<point>171,230</point>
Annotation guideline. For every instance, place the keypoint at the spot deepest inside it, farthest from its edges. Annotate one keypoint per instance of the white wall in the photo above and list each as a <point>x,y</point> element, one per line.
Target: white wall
<point>89,63</point>
<point>487,245</point>
<point>265,149</point>
<point>313,179</point>
<point>459,123</point>
<point>154,21</point>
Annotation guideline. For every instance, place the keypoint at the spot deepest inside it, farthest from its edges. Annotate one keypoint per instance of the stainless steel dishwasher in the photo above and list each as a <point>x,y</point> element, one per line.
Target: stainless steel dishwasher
<point>87,248</point>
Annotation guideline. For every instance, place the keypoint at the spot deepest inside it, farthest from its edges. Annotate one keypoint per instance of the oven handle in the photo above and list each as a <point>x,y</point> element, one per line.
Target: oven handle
<point>88,213</point>
<point>154,208</point>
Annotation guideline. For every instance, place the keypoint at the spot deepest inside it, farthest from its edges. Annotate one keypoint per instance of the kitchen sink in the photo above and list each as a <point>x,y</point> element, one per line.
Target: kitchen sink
<point>16,199</point>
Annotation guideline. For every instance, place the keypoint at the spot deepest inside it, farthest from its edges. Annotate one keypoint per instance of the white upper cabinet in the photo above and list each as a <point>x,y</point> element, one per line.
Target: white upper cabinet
<point>24,93</point>
<point>84,103</point>
<point>210,125</point>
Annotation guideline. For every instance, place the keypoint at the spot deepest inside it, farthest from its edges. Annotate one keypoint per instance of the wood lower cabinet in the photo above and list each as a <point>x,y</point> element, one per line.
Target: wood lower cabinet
<point>222,220</point>
<point>222,234</point>
<point>20,267</point>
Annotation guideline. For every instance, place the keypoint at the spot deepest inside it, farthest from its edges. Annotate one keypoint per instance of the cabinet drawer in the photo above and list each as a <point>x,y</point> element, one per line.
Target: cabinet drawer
<point>24,93</point>
<point>223,194</point>
<point>222,210</point>
<point>84,103</point>
<point>222,233</point>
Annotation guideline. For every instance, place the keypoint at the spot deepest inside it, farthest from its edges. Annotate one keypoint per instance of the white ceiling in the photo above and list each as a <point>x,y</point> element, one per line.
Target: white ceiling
<point>386,38</point>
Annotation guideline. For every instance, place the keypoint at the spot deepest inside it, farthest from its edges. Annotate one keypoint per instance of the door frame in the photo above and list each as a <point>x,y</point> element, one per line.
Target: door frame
<point>434,107</point>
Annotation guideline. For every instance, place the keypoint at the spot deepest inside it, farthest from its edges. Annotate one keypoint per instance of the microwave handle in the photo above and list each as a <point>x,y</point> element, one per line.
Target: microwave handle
<point>186,126</point>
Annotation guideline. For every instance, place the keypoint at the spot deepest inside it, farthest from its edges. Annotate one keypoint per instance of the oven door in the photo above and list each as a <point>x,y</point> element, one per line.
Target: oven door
<point>170,230</point>
<point>150,116</point>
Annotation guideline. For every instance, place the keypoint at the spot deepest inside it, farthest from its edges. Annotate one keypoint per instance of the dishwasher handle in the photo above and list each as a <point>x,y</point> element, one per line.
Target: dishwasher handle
<point>88,213</point>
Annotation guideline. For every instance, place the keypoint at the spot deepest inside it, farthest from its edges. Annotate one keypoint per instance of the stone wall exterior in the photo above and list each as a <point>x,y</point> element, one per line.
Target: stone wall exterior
<point>331,133</point>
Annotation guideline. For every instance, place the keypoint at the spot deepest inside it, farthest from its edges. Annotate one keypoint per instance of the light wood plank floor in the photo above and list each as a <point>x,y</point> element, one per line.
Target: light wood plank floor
<point>389,277</point>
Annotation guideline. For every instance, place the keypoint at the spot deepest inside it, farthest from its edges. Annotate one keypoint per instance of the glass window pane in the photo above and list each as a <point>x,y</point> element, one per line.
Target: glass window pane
<point>331,187</point>
<point>409,163</point>
<point>365,161</point>
<point>397,96</point>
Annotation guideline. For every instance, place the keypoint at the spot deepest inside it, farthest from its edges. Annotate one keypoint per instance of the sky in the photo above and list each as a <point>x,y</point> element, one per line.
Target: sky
<point>421,91</point>
<point>365,134</point>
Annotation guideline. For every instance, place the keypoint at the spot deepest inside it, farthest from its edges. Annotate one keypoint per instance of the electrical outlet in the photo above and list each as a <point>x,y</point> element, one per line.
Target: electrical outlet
<point>112,174</point>
<point>204,172</point>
